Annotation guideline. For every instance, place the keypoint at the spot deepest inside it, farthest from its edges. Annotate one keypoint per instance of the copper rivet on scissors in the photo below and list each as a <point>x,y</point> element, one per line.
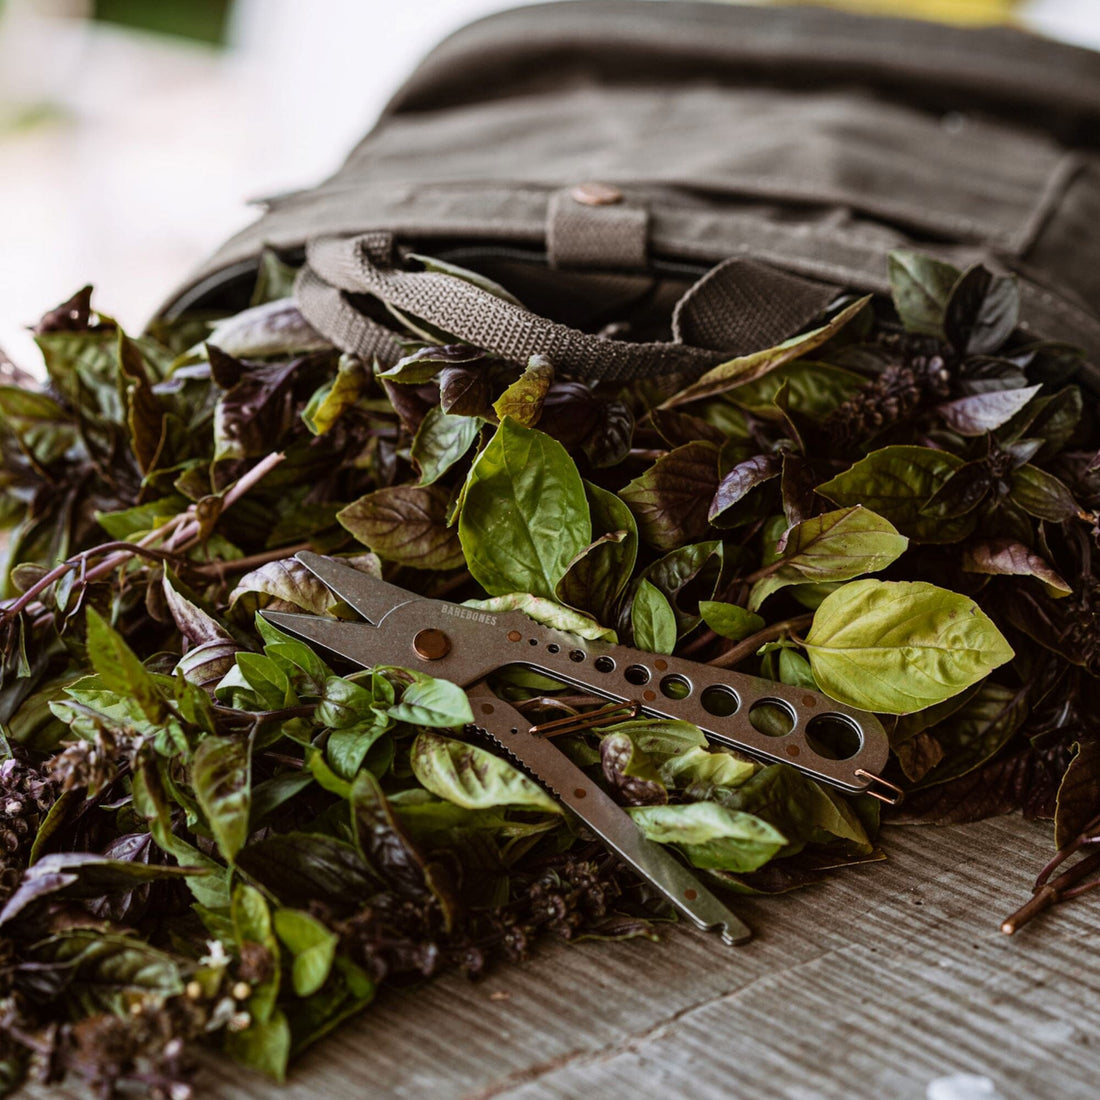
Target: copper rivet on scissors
<point>514,635</point>
<point>431,644</point>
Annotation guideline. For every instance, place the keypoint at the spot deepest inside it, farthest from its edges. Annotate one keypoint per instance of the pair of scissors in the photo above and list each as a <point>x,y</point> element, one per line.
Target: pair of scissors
<point>826,740</point>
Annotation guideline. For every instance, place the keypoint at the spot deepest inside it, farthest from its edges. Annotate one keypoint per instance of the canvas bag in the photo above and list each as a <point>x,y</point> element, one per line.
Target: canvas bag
<point>732,168</point>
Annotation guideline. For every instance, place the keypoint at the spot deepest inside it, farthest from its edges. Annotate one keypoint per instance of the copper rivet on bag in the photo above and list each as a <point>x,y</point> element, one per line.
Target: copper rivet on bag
<point>596,194</point>
<point>431,644</point>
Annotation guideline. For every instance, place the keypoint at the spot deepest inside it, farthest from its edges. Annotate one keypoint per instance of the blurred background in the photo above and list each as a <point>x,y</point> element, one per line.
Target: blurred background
<point>133,132</point>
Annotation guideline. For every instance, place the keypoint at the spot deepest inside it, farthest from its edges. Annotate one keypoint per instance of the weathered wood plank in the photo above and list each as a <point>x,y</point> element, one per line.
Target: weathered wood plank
<point>869,985</point>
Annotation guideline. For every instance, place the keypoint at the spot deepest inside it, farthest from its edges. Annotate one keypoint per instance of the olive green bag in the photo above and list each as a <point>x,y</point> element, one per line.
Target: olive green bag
<point>664,185</point>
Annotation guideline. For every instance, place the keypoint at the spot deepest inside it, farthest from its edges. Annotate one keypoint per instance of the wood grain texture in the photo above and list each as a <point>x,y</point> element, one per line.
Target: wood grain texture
<point>870,985</point>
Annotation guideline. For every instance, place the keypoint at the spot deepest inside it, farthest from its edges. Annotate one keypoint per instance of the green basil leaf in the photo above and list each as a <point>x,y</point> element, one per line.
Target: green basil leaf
<point>129,524</point>
<point>921,287</point>
<point>252,924</point>
<point>263,1046</point>
<point>748,368</point>
<point>523,399</point>
<point>803,810</point>
<point>335,397</point>
<point>312,945</point>
<point>729,620</point>
<point>1042,495</point>
<point>440,441</point>
<point>221,777</point>
<point>711,835</point>
<point>405,524</point>
<point>597,577</point>
<point>835,546</point>
<point>431,702</point>
<point>813,389</point>
<point>119,668</point>
<point>345,704</point>
<point>474,778</point>
<point>979,729</point>
<point>900,646</point>
<point>897,483</point>
<point>547,613</point>
<point>701,767</point>
<point>524,513</point>
<point>652,620</point>
<point>660,738</point>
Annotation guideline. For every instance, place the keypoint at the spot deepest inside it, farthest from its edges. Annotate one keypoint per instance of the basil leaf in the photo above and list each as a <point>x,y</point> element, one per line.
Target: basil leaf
<point>221,776</point>
<point>711,835</point>
<point>737,485</point>
<point>431,702</point>
<point>835,546</point>
<point>984,412</point>
<point>630,772</point>
<point>748,368</point>
<point>1005,557</point>
<point>440,441</point>
<point>670,500</point>
<point>897,483</point>
<point>597,577</point>
<point>703,768</point>
<point>921,287</point>
<point>547,613</point>
<point>405,524</point>
<point>900,646</point>
<point>119,668</point>
<point>1042,495</point>
<point>729,620</point>
<point>524,514</point>
<point>334,398</point>
<point>652,620</point>
<point>312,945</point>
<point>660,738</point>
<point>523,399</point>
<point>263,1046</point>
<point>252,925</point>
<point>977,730</point>
<point>474,778</point>
<point>982,312</point>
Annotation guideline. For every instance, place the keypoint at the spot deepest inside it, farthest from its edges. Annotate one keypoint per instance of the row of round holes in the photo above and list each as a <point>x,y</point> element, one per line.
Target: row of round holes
<point>832,736</point>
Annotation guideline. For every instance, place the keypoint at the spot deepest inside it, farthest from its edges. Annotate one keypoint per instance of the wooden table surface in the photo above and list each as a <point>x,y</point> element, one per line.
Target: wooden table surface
<point>871,985</point>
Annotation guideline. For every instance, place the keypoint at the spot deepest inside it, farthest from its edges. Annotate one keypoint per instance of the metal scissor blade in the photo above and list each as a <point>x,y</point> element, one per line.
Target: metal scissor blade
<point>509,729</point>
<point>355,641</point>
<point>374,599</point>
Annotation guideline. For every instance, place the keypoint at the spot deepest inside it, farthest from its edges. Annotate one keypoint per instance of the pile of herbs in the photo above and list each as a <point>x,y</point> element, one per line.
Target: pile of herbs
<point>210,834</point>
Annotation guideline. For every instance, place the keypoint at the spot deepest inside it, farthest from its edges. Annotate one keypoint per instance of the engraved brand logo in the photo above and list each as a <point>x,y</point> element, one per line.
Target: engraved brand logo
<point>469,613</point>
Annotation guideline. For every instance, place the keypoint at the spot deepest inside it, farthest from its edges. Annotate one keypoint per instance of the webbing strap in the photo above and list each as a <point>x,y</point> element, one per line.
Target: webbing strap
<point>368,264</point>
